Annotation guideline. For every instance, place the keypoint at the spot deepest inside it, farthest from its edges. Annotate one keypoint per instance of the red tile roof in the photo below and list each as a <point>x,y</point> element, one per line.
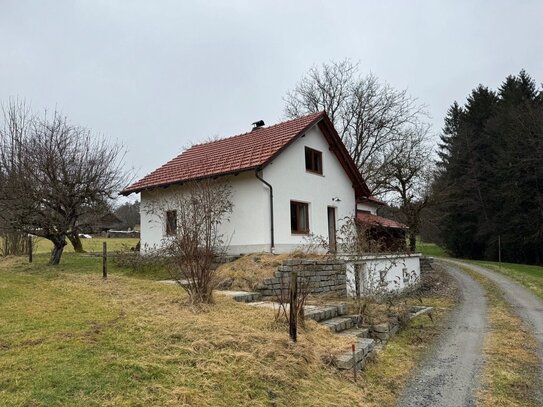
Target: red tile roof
<point>244,152</point>
<point>375,220</point>
<point>372,199</point>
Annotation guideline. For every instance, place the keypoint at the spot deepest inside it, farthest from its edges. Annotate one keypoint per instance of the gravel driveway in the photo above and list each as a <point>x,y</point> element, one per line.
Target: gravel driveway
<point>449,374</point>
<point>527,305</point>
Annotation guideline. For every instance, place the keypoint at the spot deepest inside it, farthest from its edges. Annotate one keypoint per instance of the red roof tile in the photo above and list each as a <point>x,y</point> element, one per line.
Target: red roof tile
<point>375,220</point>
<point>244,152</point>
<point>372,199</point>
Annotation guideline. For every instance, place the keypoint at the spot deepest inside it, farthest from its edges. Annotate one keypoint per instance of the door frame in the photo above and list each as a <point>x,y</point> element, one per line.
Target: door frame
<point>332,228</point>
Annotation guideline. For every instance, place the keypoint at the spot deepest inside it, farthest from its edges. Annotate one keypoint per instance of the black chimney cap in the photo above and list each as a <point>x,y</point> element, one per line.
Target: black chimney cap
<point>258,124</point>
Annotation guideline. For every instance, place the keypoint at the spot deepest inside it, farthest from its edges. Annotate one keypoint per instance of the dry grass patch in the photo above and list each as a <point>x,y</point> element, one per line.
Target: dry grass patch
<point>386,377</point>
<point>69,338</point>
<point>511,371</point>
<point>247,272</point>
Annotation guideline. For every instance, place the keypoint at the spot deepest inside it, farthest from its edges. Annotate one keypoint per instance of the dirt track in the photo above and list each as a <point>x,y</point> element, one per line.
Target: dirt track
<point>527,306</point>
<point>449,374</point>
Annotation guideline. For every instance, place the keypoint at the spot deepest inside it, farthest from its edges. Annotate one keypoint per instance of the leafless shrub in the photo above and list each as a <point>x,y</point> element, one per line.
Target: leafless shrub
<point>314,245</point>
<point>371,283</point>
<point>13,243</point>
<point>192,217</point>
<point>304,288</point>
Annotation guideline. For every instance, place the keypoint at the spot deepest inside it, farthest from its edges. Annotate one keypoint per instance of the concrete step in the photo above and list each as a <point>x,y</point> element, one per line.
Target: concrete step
<point>338,324</point>
<point>354,317</point>
<point>322,313</point>
<point>356,332</point>
<point>242,296</point>
<point>363,350</point>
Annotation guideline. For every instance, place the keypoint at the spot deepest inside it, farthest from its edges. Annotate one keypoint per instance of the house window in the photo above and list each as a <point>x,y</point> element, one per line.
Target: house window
<point>382,277</point>
<point>313,160</point>
<point>171,223</point>
<point>299,217</point>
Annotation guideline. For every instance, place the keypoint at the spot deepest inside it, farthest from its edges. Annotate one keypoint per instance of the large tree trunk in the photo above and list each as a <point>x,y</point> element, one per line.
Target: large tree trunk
<point>76,242</point>
<point>58,248</point>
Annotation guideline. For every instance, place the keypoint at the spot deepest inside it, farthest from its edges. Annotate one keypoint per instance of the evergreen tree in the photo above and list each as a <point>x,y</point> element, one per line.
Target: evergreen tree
<point>448,134</point>
<point>490,181</point>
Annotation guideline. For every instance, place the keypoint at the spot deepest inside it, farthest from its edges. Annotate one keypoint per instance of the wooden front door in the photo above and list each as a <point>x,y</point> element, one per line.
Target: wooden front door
<point>332,229</point>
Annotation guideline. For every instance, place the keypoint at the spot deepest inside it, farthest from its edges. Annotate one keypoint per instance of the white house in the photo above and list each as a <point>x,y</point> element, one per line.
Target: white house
<point>288,181</point>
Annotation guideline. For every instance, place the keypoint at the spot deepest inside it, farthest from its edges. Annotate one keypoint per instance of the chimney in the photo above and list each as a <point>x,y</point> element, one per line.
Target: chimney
<point>258,124</point>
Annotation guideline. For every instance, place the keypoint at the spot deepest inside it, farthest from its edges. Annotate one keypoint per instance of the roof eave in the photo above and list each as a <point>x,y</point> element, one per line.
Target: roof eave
<point>128,191</point>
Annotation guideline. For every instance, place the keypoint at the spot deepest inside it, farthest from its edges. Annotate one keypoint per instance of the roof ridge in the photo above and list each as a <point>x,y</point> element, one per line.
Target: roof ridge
<point>316,114</point>
<point>232,154</point>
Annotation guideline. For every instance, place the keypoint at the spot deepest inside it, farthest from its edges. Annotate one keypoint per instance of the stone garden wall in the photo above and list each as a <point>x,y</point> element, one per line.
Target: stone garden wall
<point>324,276</point>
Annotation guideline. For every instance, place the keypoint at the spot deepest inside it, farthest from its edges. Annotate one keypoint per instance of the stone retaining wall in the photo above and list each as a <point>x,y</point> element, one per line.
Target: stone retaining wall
<point>426,263</point>
<point>324,277</point>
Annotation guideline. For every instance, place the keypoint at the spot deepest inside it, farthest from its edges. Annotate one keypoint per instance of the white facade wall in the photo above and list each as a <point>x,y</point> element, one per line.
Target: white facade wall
<point>366,206</point>
<point>249,225</point>
<point>291,181</point>
<point>247,230</point>
<point>383,273</point>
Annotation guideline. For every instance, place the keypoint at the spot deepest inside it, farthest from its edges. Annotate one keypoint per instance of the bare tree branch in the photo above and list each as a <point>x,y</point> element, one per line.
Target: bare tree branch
<point>52,173</point>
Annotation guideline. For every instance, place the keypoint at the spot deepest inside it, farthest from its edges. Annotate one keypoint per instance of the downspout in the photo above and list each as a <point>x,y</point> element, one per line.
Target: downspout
<point>271,210</point>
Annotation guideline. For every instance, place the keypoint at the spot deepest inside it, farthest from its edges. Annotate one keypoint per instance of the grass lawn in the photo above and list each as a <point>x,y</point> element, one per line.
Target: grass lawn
<point>431,249</point>
<point>93,245</point>
<point>529,276</point>
<point>69,338</point>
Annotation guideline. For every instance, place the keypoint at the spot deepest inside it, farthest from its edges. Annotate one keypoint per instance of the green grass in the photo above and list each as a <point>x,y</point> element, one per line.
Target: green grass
<point>93,245</point>
<point>69,338</point>
<point>85,264</point>
<point>529,276</point>
<point>431,249</point>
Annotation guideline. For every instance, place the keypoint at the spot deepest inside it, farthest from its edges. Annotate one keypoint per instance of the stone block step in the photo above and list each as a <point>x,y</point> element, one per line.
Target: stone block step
<point>322,313</point>
<point>242,296</point>
<point>338,324</point>
<point>363,349</point>
<point>354,317</point>
<point>357,332</point>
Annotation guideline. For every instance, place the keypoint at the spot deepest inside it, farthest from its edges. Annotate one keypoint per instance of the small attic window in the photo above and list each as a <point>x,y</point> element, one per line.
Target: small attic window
<point>313,161</point>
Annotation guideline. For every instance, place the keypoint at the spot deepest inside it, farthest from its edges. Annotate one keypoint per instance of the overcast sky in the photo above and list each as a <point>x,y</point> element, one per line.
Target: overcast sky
<point>159,75</point>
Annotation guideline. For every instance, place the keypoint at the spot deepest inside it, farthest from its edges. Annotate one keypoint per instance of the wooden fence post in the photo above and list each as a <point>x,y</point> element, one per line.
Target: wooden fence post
<point>293,320</point>
<point>104,260</point>
<point>30,249</point>
<point>354,361</point>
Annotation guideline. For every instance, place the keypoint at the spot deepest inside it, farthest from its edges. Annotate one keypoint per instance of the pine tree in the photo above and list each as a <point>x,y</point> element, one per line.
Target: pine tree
<point>491,177</point>
<point>448,134</point>
<point>465,177</point>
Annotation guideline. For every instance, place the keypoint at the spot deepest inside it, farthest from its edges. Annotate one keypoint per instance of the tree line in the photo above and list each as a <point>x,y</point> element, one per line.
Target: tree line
<point>488,186</point>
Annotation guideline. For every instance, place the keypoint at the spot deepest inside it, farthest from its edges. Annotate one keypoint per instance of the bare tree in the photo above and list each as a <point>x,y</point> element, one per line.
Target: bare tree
<point>52,173</point>
<point>406,179</point>
<point>191,218</point>
<point>370,116</point>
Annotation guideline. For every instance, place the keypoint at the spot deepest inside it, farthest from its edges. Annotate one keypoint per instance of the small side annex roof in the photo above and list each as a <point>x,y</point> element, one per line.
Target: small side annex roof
<point>375,220</point>
<point>249,151</point>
